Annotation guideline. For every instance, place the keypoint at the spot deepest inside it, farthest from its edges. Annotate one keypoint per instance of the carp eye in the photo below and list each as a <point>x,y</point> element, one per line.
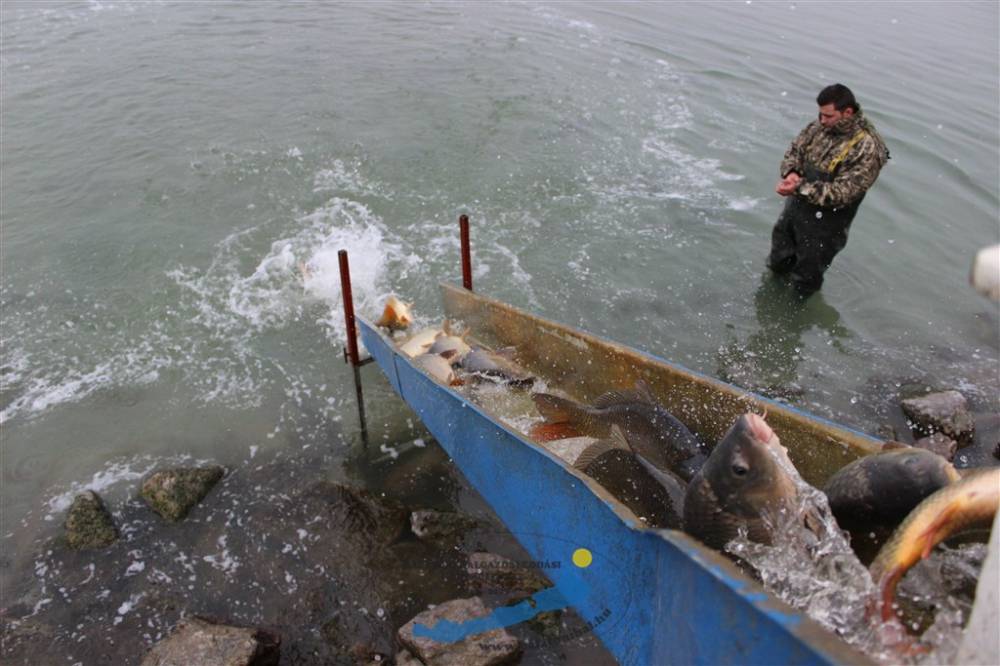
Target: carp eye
<point>740,470</point>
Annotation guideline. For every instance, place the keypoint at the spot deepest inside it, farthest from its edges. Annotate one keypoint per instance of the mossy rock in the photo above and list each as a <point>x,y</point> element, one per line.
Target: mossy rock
<point>89,524</point>
<point>173,492</point>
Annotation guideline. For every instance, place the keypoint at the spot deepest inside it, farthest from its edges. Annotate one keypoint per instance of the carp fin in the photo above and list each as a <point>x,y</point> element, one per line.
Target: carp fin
<point>618,440</point>
<point>590,454</point>
<point>388,316</point>
<point>641,393</point>
<point>555,409</point>
<point>546,432</point>
<point>613,398</point>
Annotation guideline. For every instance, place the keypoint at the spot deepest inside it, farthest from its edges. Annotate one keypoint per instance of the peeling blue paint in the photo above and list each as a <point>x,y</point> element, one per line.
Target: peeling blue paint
<point>446,631</point>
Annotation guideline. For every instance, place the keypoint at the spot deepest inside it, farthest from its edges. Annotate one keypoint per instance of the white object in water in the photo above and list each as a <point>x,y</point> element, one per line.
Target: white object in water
<point>985,275</point>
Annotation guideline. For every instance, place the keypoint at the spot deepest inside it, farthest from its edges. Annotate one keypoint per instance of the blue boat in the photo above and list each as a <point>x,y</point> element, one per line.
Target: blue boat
<point>651,596</point>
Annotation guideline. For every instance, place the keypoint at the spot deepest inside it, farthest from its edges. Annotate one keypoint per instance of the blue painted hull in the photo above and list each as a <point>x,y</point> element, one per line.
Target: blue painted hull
<point>652,596</point>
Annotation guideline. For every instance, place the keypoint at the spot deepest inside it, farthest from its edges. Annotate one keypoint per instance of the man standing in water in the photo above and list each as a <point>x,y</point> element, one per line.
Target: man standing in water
<point>824,177</point>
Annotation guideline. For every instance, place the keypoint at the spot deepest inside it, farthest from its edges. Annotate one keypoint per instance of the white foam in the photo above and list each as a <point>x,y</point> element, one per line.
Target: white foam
<point>114,473</point>
<point>223,561</point>
<point>135,568</point>
<point>127,607</point>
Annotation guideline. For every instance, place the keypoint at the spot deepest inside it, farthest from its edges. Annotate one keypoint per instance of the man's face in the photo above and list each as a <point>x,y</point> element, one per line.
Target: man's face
<point>829,116</point>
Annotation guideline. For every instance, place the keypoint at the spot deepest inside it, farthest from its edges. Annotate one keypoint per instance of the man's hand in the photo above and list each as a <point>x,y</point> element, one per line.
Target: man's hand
<point>787,185</point>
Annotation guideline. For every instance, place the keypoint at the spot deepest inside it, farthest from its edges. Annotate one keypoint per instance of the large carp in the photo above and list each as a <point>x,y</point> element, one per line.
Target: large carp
<point>880,490</point>
<point>650,429</point>
<point>746,483</point>
<point>970,503</point>
<point>650,493</point>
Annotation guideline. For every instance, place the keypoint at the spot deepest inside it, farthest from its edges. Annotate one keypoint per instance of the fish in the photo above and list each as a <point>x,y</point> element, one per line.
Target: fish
<point>396,316</point>
<point>451,341</point>
<point>880,490</point>
<point>649,428</point>
<point>496,366</point>
<point>970,503</point>
<point>439,366</point>
<point>649,492</point>
<point>745,483</point>
<point>420,342</point>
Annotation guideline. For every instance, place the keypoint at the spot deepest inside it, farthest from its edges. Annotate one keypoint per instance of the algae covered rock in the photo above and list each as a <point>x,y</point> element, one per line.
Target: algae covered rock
<point>440,527</point>
<point>172,492</point>
<point>199,642</point>
<point>88,523</point>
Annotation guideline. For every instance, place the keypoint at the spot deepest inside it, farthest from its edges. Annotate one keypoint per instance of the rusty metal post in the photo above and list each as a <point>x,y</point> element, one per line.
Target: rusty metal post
<point>463,224</point>
<point>352,340</point>
<point>345,290</point>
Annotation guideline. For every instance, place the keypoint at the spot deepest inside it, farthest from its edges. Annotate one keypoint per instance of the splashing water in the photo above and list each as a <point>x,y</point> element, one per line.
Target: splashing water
<point>812,567</point>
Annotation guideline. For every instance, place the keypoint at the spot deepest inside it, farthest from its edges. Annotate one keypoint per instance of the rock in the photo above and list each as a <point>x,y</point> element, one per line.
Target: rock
<point>940,444</point>
<point>886,431</point>
<point>172,492</point>
<point>946,412</point>
<point>489,573</point>
<point>358,511</point>
<point>359,635</point>
<point>483,649</point>
<point>197,642</point>
<point>404,658</point>
<point>88,523</point>
<point>440,527</point>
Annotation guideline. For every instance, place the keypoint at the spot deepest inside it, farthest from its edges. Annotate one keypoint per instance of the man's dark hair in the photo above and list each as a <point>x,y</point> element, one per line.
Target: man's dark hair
<point>839,95</point>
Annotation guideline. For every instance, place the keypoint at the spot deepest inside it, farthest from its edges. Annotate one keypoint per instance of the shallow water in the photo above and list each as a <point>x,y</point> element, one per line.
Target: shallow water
<point>168,169</point>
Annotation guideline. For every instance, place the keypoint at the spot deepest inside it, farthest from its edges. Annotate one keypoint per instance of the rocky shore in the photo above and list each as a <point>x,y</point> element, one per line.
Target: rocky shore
<point>281,561</point>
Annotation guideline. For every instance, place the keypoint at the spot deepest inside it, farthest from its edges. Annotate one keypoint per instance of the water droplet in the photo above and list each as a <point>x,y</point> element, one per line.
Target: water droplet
<point>819,215</point>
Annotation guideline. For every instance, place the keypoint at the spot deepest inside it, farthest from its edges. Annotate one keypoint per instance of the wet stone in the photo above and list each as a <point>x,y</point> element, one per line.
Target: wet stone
<point>173,492</point>
<point>440,527</point>
<point>404,658</point>
<point>487,648</point>
<point>886,431</point>
<point>359,511</point>
<point>88,523</point>
<point>196,641</point>
<point>940,444</point>
<point>946,412</point>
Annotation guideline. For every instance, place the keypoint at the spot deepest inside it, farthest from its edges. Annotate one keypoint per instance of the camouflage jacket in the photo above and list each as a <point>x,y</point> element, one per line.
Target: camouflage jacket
<point>845,175</point>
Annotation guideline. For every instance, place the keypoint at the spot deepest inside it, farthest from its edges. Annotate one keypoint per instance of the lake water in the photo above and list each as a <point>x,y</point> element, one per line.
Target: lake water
<point>168,167</point>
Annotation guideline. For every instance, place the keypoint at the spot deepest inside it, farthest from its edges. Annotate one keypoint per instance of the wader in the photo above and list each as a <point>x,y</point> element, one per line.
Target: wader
<point>807,237</point>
